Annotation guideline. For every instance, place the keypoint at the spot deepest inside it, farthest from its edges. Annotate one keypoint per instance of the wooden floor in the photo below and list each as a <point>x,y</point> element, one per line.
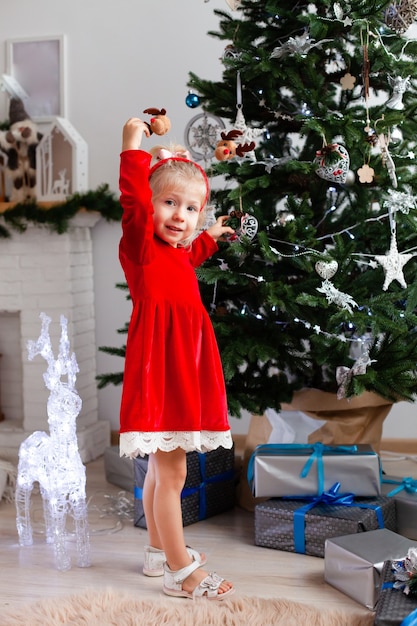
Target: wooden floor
<point>28,573</point>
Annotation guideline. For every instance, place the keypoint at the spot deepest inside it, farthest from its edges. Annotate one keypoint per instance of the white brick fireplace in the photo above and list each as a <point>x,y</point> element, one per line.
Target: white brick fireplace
<point>44,271</point>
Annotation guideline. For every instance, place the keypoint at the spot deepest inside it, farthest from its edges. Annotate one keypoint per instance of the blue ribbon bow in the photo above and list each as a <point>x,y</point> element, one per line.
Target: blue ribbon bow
<point>407,484</point>
<point>330,497</point>
<point>315,450</point>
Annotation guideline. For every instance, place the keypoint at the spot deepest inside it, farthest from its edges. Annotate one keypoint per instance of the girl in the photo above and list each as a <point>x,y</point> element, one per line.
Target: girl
<point>173,398</point>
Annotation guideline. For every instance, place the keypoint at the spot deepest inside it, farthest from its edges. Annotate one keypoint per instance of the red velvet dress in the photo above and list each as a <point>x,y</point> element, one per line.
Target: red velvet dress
<point>173,387</point>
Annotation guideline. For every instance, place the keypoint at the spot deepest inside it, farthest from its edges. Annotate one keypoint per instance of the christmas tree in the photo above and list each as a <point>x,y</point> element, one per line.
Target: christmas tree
<point>323,96</point>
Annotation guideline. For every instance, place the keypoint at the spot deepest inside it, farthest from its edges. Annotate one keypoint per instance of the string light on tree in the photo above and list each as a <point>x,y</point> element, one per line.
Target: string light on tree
<point>368,73</point>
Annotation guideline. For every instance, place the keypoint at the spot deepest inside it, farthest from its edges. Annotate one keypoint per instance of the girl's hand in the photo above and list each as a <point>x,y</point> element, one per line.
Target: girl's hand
<point>218,229</point>
<point>133,131</point>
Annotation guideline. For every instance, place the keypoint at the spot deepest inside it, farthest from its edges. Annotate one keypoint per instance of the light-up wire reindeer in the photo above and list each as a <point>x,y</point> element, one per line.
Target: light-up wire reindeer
<point>53,460</point>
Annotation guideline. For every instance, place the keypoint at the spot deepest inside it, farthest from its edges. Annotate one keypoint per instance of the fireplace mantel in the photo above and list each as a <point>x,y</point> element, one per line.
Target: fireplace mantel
<point>43,271</point>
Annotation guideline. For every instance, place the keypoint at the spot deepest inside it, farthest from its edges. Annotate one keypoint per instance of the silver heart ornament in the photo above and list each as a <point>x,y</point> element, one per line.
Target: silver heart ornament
<point>326,269</point>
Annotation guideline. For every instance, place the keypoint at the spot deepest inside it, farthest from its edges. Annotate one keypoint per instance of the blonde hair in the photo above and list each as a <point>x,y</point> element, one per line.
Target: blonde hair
<point>172,167</point>
<point>176,172</point>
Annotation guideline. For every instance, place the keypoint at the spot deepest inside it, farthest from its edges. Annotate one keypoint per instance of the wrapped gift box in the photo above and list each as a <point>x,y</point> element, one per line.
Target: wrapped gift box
<point>209,488</point>
<point>297,526</point>
<point>277,470</point>
<point>353,563</point>
<point>393,605</point>
<point>119,470</point>
<point>140,466</point>
<point>404,492</point>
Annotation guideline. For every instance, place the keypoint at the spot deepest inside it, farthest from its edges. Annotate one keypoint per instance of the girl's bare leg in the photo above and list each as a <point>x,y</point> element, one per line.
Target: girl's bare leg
<point>170,471</point>
<point>148,498</point>
<point>148,505</point>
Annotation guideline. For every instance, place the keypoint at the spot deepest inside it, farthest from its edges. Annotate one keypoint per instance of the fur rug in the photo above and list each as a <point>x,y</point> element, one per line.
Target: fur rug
<point>115,608</point>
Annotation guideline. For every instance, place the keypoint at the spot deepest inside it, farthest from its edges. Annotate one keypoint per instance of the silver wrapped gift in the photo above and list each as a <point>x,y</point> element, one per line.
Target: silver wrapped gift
<point>119,470</point>
<point>277,470</point>
<point>404,492</point>
<point>353,563</point>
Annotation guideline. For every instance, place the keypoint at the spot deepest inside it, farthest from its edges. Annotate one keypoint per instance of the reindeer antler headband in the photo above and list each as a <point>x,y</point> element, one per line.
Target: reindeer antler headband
<point>165,155</point>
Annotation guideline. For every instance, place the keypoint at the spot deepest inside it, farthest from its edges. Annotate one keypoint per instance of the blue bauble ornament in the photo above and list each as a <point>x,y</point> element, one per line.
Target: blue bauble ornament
<point>192,100</point>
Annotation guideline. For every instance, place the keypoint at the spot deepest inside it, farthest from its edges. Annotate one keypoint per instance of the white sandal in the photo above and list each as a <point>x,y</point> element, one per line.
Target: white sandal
<point>154,559</point>
<point>208,588</point>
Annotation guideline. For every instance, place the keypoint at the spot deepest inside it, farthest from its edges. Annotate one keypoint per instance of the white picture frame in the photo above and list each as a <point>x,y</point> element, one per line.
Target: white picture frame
<point>38,64</point>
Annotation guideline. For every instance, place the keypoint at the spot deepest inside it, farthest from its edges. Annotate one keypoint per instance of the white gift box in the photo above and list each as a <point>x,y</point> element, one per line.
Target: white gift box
<point>277,470</point>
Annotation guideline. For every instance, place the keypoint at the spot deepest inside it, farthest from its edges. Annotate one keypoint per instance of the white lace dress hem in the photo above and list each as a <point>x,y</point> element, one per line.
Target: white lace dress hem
<point>133,444</point>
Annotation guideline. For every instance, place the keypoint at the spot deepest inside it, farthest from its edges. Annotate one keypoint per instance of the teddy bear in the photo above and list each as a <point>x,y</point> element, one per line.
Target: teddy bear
<point>18,144</point>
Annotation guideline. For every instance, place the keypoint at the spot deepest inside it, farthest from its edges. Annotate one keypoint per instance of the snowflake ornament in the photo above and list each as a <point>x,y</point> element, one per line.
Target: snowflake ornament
<point>400,201</point>
<point>297,45</point>
<point>201,135</point>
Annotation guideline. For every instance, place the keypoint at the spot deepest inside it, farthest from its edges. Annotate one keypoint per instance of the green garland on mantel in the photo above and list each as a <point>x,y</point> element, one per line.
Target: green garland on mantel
<point>57,217</point>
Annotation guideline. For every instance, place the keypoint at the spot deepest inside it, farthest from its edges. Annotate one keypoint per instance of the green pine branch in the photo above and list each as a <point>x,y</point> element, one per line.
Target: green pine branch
<point>57,218</point>
<point>276,331</point>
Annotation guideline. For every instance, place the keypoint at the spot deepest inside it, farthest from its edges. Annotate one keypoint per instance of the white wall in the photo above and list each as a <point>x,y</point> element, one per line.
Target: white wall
<point>122,57</point>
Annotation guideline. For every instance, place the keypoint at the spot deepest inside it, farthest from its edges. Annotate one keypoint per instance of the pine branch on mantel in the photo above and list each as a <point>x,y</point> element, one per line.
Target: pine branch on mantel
<point>56,216</point>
